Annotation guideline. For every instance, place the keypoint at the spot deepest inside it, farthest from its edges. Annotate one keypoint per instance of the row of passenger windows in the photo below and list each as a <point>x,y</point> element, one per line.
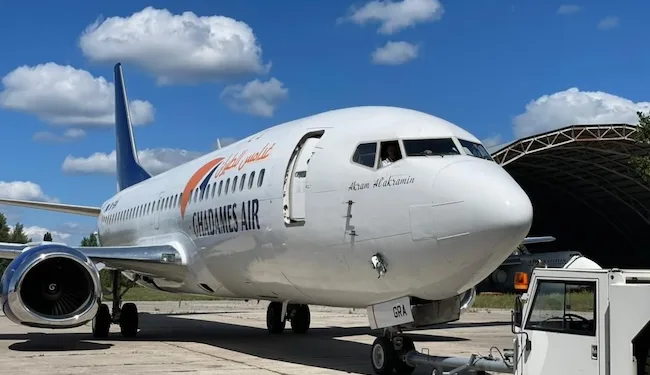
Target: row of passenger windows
<point>392,151</point>
<point>223,187</point>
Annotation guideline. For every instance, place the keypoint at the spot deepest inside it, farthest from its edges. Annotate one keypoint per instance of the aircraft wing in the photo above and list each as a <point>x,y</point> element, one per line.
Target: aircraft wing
<point>59,207</point>
<point>540,239</point>
<point>163,261</point>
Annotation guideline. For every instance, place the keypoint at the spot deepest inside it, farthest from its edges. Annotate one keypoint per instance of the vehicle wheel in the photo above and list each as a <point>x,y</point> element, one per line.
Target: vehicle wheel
<point>301,319</point>
<point>129,320</point>
<point>402,367</point>
<point>102,322</point>
<point>274,322</point>
<point>382,356</point>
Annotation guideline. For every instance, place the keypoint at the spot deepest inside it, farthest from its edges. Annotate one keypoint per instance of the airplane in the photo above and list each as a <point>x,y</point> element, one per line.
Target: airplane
<point>308,212</point>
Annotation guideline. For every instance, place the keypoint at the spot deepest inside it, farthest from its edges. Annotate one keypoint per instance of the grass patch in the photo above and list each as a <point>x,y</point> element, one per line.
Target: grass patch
<point>574,301</point>
<point>494,301</point>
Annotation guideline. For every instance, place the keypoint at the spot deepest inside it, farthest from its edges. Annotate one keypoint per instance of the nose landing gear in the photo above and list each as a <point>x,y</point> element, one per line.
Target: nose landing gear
<point>388,353</point>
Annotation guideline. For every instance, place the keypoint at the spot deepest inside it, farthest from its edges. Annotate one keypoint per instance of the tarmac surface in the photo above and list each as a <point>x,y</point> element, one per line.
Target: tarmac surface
<point>230,337</point>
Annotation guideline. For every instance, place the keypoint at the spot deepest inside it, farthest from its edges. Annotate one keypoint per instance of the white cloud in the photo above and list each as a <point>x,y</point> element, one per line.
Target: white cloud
<point>568,9</point>
<point>155,161</point>
<point>36,233</point>
<point>492,141</point>
<point>395,53</point>
<point>255,97</point>
<point>23,190</point>
<point>608,23</point>
<point>67,136</point>
<point>177,48</point>
<point>575,107</point>
<point>64,95</point>
<point>396,16</point>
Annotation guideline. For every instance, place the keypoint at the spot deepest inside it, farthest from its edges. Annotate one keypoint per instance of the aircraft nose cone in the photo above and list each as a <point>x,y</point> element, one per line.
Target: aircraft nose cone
<point>490,210</point>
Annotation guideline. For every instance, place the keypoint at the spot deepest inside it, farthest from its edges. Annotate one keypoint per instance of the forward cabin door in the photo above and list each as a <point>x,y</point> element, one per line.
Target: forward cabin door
<point>296,178</point>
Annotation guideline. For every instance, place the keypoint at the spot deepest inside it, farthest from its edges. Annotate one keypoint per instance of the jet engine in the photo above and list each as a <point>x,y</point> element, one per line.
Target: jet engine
<point>51,286</point>
<point>467,299</point>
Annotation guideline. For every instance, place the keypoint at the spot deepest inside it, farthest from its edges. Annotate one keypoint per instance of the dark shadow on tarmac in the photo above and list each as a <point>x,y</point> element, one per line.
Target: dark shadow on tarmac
<point>320,347</point>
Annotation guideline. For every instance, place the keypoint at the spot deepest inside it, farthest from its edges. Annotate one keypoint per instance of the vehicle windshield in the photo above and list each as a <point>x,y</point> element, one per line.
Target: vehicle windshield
<point>475,149</point>
<point>427,147</point>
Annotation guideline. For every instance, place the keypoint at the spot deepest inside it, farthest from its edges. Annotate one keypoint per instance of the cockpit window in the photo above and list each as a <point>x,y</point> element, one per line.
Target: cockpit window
<point>427,147</point>
<point>365,154</point>
<point>475,149</point>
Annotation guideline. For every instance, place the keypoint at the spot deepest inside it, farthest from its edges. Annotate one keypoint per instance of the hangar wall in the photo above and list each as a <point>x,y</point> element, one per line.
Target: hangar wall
<point>584,191</point>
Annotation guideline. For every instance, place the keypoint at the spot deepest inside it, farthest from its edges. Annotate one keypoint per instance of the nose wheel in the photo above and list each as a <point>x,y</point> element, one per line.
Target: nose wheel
<point>387,355</point>
<point>125,315</point>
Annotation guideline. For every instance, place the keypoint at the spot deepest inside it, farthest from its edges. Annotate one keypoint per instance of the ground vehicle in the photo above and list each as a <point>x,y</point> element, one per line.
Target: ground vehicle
<point>571,321</point>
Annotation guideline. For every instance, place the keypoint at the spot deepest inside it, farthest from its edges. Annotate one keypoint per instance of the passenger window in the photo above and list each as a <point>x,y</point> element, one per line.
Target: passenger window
<point>220,186</point>
<point>260,179</point>
<point>390,153</point>
<point>365,154</point>
<point>241,183</point>
<point>564,307</point>
<point>428,147</point>
<point>234,183</point>
<point>475,149</point>
<point>214,188</point>
<point>225,191</point>
<point>251,179</point>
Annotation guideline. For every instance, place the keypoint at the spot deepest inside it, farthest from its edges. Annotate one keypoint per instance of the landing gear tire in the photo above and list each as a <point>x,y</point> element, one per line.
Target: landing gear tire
<point>274,319</point>
<point>301,319</point>
<point>129,320</point>
<point>382,356</point>
<point>102,322</point>
<point>401,367</point>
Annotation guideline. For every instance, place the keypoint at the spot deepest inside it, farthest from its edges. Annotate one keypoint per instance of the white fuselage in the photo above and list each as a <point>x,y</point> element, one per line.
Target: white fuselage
<point>442,223</point>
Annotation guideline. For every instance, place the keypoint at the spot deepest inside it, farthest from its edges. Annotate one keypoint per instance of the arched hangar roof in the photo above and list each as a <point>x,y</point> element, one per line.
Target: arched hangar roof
<point>585,192</point>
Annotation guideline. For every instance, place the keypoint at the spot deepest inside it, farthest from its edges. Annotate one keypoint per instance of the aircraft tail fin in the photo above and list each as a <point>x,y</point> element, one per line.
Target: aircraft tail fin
<point>129,170</point>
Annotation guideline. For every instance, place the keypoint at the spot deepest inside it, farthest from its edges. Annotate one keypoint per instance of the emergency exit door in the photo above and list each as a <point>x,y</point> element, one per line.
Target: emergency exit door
<point>295,210</point>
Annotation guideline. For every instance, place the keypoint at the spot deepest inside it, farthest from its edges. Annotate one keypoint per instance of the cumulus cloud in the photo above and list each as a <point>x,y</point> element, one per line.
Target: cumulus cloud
<point>255,97</point>
<point>36,233</point>
<point>396,16</point>
<point>67,136</point>
<point>155,161</point>
<point>23,190</point>
<point>395,53</point>
<point>608,23</point>
<point>575,107</point>
<point>177,48</point>
<point>492,141</point>
<point>64,95</point>
<point>568,9</point>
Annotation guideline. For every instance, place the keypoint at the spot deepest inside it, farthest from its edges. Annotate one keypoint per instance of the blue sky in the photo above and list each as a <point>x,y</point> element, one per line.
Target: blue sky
<point>501,69</point>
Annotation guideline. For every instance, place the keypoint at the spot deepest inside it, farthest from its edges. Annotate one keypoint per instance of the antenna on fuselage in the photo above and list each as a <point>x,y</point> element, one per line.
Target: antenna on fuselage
<point>218,144</point>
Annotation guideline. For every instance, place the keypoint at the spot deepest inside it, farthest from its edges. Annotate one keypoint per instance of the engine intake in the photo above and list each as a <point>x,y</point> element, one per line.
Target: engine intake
<point>51,286</point>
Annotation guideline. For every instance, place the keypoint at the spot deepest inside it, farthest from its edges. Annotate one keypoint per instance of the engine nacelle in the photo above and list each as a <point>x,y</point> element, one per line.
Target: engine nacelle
<point>51,286</point>
<point>467,299</point>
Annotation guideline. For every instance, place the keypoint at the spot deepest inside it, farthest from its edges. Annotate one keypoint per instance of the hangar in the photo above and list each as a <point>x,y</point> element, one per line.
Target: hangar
<point>585,192</point>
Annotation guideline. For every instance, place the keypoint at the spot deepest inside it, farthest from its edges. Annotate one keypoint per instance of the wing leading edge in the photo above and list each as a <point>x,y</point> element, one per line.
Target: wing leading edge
<point>163,261</point>
<point>59,207</point>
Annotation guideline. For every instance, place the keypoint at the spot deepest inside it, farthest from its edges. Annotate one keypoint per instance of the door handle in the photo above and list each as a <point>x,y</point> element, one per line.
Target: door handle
<point>594,352</point>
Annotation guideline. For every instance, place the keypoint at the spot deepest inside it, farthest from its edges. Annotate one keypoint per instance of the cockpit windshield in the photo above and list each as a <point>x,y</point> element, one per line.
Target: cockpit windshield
<point>475,149</point>
<point>427,147</point>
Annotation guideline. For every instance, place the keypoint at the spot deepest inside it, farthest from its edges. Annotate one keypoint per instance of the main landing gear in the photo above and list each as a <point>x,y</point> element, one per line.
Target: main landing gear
<point>299,316</point>
<point>126,315</point>
<point>388,353</point>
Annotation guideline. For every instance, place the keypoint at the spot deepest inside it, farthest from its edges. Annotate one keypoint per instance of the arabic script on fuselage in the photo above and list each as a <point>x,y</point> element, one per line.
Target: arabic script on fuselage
<point>240,160</point>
